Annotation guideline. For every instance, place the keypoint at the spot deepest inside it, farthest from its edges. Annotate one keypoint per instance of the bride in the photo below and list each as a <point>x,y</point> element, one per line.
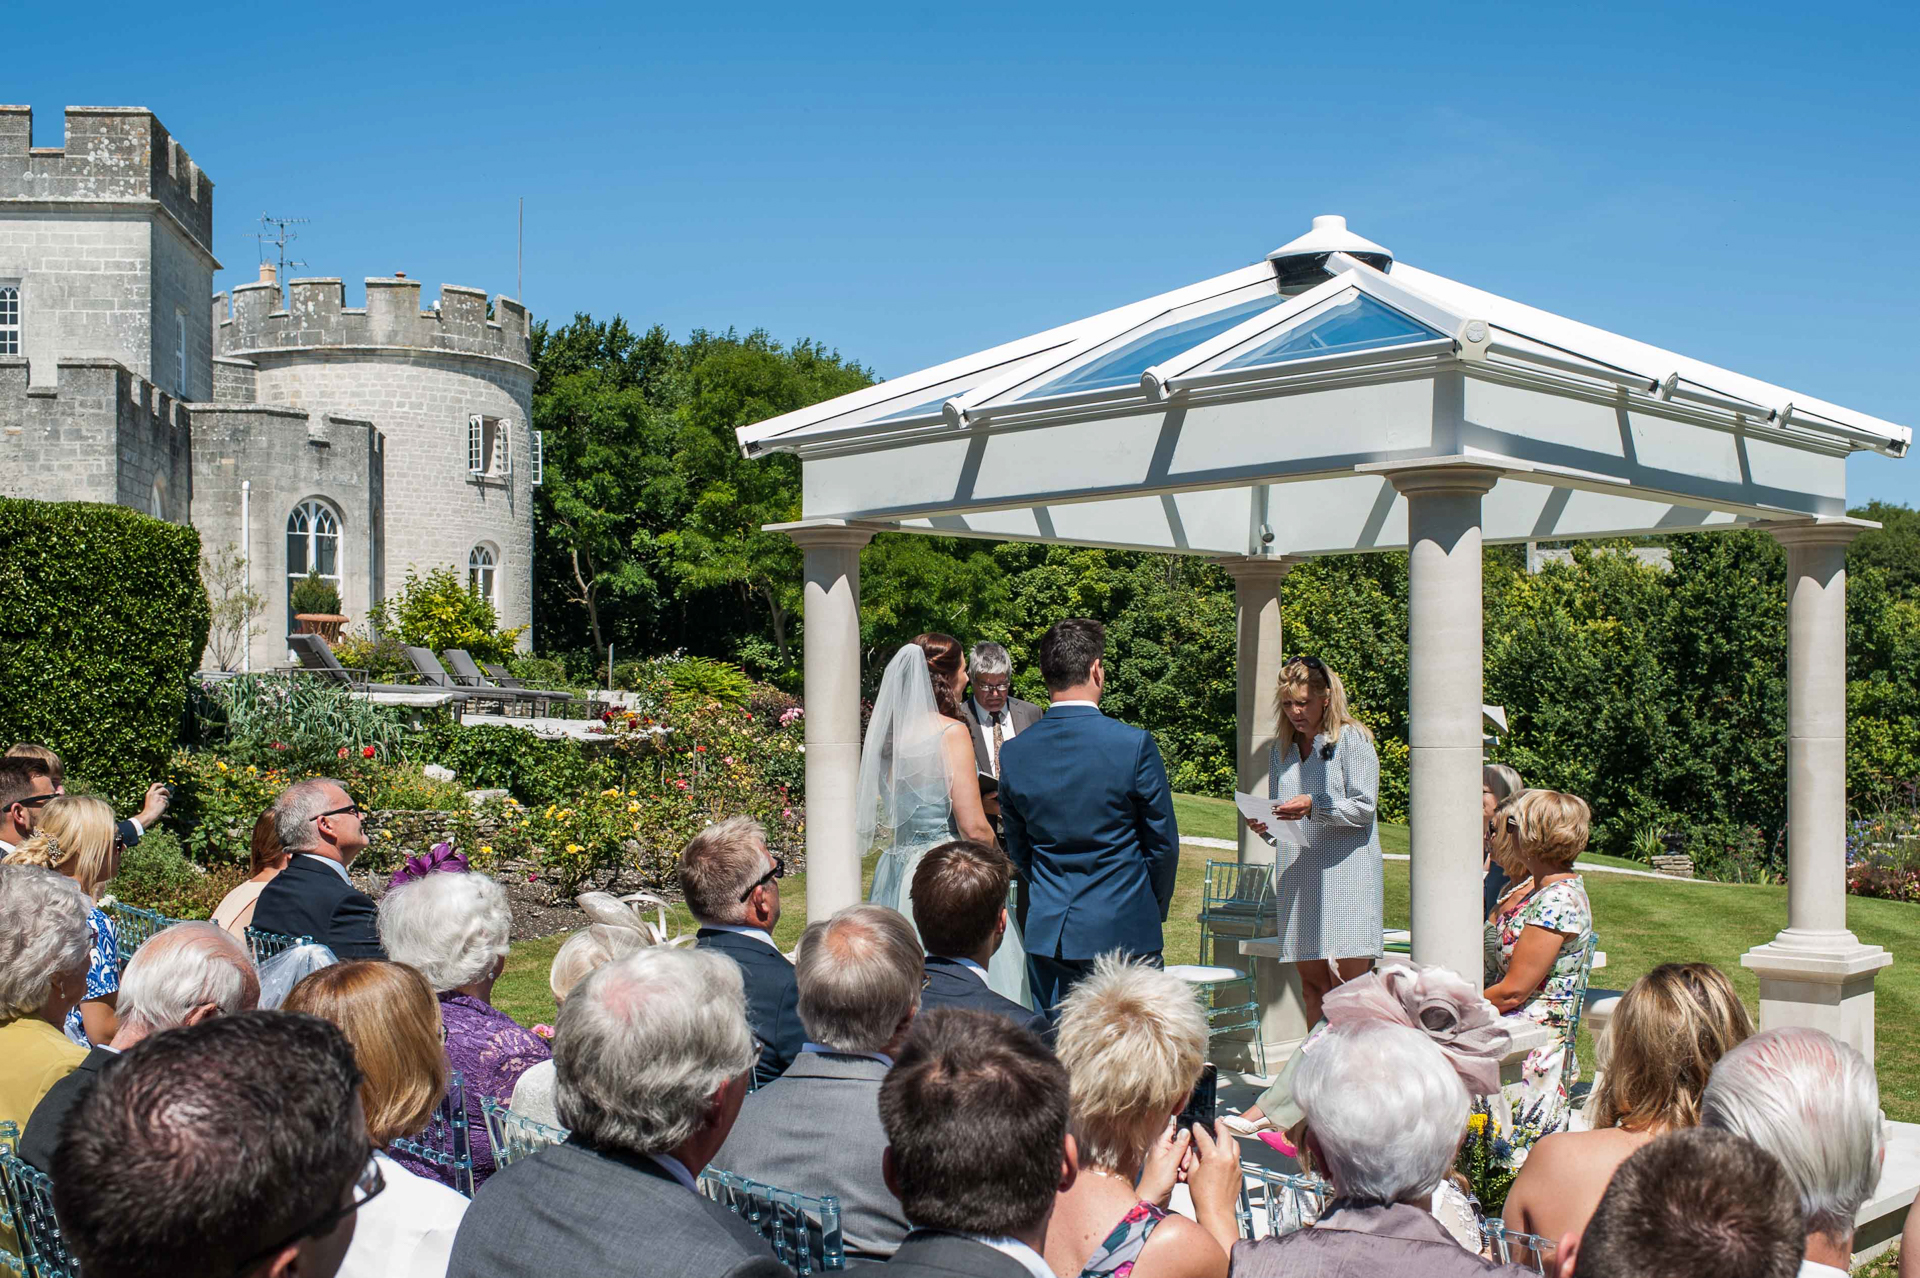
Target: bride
<point>919,787</point>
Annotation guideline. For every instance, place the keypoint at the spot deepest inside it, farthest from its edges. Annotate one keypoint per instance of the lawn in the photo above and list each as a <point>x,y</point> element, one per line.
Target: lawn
<point>1642,923</point>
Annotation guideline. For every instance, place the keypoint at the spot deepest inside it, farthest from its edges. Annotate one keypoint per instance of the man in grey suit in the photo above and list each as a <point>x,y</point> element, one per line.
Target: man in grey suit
<point>994,714</point>
<point>976,1120</point>
<point>651,1058</point>
<point>816,1129</point>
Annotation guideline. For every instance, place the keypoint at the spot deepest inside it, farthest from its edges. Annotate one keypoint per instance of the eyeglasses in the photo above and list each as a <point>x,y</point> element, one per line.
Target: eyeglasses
<point>36,800</point>
<point>1311,663</point>
<point>353,808</point>
<point>779,870</point>
<point>366,1187</point>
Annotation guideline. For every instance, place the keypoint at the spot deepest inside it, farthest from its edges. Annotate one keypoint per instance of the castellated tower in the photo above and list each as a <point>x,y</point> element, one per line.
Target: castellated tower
<point>448,392</point>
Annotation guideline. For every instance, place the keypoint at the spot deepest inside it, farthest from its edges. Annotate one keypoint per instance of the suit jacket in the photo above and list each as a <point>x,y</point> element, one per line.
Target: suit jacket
<point>816,1130</point>
<point>42,1131</point>
<point>773,999</point>
<point>950,983</point>
<point>309,898</point>
<point>926,1254</point>
<point>1024,714</point>
<point>1366,1241</point>
<point>1088,820</point>
<point>569,1209</point>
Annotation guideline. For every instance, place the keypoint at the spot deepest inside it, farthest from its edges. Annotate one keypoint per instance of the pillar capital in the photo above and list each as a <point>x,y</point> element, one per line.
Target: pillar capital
<point>827,534</point>
<point>1443,476</point>
<point>1817,532</point>
<point>1256,568</point>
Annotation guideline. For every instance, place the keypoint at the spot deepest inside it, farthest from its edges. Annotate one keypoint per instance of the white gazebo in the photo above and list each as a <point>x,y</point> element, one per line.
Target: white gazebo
<point>1329,400</point>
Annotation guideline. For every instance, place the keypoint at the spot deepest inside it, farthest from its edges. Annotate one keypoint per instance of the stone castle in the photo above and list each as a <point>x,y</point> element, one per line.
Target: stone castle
<point>356,442</point>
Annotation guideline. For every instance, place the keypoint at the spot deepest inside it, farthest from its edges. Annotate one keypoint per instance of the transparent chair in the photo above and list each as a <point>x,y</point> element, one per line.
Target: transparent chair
<point>803,1232</point>
<point>1514,1247</point>
<point>133,926</point>
<point>29,1196</point>
<point>447,1143</point>
<point>514,1136</point>
<point>13,1250</point>
<point>1273,1203</point>
<point>1237,904</point>
<point>1579,1002</point>
<point>264,945</point>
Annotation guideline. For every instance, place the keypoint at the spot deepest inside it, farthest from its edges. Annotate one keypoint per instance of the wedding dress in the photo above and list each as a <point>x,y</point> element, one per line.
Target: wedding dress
<point>905,803</point>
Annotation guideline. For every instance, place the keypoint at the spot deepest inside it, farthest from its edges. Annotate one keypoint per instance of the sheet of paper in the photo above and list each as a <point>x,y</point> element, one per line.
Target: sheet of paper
<point>1292,833</point>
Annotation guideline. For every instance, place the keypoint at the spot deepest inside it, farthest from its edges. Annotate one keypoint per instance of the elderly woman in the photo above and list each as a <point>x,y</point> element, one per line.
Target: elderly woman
<point>1133,1039</point>
<point>1498,786</point>
<point>618,929</point>
<point>76,837</point>
<point>391,1018</point>
<point>267,858</point>
<point>1386,1112</point>
<point>43,973</point>
<point>1672,1026</point>
<point>452,925</point>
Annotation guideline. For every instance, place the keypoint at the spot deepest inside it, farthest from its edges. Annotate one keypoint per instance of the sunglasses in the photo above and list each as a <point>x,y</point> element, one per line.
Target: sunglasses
<point>35,800</point>
<point>779,870</point>
<point>1311,663</point>
<point>366,1187</point>
<point>353,808</point>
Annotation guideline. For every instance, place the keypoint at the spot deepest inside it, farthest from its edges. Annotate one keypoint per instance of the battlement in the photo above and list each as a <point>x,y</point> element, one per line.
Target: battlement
<point>315,315</point>
<point>112,155</point>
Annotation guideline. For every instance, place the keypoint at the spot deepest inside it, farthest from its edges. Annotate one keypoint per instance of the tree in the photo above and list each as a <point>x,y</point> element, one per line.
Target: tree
<point>233,606</point>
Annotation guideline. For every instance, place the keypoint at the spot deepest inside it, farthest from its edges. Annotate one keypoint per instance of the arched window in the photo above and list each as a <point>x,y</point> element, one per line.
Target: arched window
<point>313,546</point>
<point>157,501</point>
<point>481,562</point>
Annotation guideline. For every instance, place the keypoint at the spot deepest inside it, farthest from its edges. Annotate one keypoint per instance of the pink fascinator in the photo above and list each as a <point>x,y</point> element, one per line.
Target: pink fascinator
<point>1440,1004</point>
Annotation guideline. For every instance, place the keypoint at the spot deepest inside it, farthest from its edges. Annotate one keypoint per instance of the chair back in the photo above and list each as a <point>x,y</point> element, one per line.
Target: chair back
<point>1236,893</point>
<point>317,656</point>
<point>1273,1203</point>
<point>514,1135</point>
<point>1568,1062</point>
<point>133,927</point>
<point>265,945</point>
<point>803,1232</point>
<point>28,1193</point>
<point>460,662</point>
<point>428,667</point>
<point>1515,1247</point>
<point>13,1251</point>
<point>500,675</point>
<point>447,1142</point>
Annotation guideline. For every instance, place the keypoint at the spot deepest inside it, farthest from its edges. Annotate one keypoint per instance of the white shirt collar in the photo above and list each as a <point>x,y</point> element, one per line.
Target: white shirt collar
<point>676,1169</point>
<point>1814,1269</point>
<point>1030,1259</point>
<point>758,934</point>
<point>1091,705</point>
<point>331,864</point>
<point>973,967</point>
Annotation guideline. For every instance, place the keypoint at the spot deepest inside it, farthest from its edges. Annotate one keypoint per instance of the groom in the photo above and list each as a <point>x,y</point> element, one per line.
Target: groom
<point>1089,821</point>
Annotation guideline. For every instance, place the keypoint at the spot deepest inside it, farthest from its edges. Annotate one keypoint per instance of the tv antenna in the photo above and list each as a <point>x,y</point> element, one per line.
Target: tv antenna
<point>279,236</point>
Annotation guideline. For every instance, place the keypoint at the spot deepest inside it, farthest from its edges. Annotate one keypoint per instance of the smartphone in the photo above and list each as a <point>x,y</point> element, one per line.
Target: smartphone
<point>1203,1104</point>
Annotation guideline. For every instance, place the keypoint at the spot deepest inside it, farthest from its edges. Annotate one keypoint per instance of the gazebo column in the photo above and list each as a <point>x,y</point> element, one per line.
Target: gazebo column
<point>1816,972</point>
<point>1257,659</point>
<point>831,665</point>
<point>1444,697</point>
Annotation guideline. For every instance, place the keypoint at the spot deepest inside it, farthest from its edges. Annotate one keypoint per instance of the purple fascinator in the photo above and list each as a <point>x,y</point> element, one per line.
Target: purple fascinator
<point>441,858</point>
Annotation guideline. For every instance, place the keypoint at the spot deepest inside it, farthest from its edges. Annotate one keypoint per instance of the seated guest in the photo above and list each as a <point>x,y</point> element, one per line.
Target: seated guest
<point>235,1146</point>
<point>266,859</point>
<point>186,974</point>
<point>390,1016</point>
<point>816,1129</point>
<point>618,929</point>
<point>158,799</point>
<point>1813,1103</point>
<point>319,828</point>
<point>43,973</point>
<point>1498,785</point>
<point>1386,1112</point>
<point>452,926</point>
<point>1696,1203</point>
<point>75,837</point>
<point>732,887</point>
<point>960,907</point>
<point>26,786</point>
<point>653,1054</point>
<point>975,1112</point>
<point>1133,1039</point>
<point>1670,1029</point>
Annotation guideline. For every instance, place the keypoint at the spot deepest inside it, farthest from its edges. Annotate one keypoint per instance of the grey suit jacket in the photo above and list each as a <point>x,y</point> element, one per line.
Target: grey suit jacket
<point>1355,1240</point>
<point>1024,714</point>
<point>569,1209</point>
<point>935,1255</point>
<point>816,1130</point>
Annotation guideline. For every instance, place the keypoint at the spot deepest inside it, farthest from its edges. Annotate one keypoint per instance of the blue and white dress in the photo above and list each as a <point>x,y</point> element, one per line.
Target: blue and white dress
<point>1327,891</point>
<point>103,969</point>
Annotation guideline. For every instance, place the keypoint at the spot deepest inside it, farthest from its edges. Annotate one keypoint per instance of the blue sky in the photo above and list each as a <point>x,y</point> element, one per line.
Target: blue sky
<point>1735,181</point>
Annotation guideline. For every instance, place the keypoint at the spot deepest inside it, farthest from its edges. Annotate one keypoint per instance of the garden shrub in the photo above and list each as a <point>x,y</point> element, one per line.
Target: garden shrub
<point>156,875</point>
<point>300,723</point>
<point>490,756</point>
<point>539,672</point>
<point>440,611</point>
<point>102,619</point>
<point>314,595</point>
<point>380,657</point>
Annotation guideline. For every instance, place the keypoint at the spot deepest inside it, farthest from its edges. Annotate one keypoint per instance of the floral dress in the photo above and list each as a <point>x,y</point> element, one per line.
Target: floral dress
<point>1537,1104</point>
<point>103,969</point>
<point>1116,1257</point>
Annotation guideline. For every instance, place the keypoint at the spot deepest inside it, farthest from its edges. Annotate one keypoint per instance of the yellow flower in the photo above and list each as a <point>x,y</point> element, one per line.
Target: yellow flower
<point>220,764</point>
<point>633,807</point>
<point>574,847</point>
<point>251,769</point>
<point>512,802</point>
<point>1476,1123</point>
<point>610,793</point>
<point>486,850</point>
<point>386,834</point>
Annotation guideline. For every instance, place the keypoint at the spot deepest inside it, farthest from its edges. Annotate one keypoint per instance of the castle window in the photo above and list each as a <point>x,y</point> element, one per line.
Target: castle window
<point>489,447</point>
<point>313,546</point>
<point>481,563</point>
<point>9,319</point>
<point>180,354</point>
<point>157,501</point>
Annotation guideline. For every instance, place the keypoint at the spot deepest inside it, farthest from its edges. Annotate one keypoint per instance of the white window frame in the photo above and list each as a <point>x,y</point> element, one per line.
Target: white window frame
<point>489,447</point>
<point>483,564</point>
<point>539,457</point>
<point>11,329</point>
<point>476,430</point>
<point>505,437</point>
<point>317,512</point>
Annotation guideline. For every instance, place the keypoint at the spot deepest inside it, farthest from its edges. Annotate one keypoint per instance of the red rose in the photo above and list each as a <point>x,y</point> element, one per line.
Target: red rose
<point>366,752</point>
<point>343,752</point>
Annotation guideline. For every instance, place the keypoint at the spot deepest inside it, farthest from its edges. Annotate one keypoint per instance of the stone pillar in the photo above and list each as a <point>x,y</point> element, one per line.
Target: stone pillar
<point>1816,972</point>
<point>1444,696</point>
<point>831,664</point>
<point>1257,659</point>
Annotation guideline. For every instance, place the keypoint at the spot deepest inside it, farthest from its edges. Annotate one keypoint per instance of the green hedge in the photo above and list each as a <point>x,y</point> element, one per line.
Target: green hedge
<point>102,619</point>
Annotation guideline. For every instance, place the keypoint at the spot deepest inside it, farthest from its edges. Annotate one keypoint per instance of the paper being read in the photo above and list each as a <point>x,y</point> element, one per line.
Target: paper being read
<point>1261,810</point>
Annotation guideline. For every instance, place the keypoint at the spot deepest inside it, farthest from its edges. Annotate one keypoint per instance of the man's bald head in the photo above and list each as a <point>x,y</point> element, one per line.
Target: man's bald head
<point>860,974</point>
<point>182,976</point>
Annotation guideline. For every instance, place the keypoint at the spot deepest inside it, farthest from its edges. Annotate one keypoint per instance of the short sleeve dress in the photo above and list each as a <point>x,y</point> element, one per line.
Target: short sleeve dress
<point>103,969</point>
<point>1538,1102</point>
<point>1328,891</point>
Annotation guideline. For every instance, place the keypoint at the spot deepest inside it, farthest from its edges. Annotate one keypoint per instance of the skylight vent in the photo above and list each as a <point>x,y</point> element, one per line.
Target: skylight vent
<point>1303,261</point>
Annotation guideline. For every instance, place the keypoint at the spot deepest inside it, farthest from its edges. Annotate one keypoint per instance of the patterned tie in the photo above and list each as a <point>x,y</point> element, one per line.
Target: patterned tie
<point>997,739</point>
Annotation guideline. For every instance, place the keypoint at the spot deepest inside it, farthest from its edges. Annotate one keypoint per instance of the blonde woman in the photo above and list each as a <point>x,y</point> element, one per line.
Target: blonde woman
<point>389,1014</point>
<point>1134,1039</point>
<point>1670,1028</point>
<point>76,838</point>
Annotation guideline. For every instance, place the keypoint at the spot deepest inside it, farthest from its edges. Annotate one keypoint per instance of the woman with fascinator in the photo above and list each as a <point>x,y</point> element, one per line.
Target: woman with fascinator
<point>919,786</point>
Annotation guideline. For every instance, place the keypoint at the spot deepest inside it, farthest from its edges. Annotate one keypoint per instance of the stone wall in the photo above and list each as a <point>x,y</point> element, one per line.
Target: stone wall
<point>101,434</point>
<point>315,314</point>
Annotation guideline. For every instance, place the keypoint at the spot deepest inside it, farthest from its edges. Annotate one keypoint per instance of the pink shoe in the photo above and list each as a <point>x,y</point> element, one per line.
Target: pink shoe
<point>1278,1141</point>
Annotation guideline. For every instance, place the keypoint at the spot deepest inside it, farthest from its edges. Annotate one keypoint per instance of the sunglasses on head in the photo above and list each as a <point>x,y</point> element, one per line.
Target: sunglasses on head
<point>1311,663</point>
<point>778,871</point>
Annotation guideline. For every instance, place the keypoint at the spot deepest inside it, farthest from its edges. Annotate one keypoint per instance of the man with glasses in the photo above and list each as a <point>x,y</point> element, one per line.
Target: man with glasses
<point>732,887</point>
<point>26,787</point>
<point>235,1148</point>
<point>319,826</point>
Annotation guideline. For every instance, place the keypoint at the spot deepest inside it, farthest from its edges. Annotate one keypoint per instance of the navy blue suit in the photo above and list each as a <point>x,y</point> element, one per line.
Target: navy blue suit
<point>950,983</point>
<point>773,998</point>
<point>309,898</point>
<point>1088,818</point>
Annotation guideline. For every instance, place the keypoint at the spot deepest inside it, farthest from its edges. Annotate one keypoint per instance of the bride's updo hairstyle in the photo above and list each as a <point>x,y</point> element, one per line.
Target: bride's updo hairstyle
<point>946,663</point>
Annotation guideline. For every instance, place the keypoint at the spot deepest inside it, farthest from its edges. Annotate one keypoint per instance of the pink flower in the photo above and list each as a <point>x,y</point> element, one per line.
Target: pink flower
<point>343,752</point>
<point>544,1031</point>
<point>728,760</point>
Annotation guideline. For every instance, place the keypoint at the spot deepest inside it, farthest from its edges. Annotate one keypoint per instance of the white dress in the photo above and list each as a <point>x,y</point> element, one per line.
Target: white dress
<point>1327,890</point>
<point>407,1231</point>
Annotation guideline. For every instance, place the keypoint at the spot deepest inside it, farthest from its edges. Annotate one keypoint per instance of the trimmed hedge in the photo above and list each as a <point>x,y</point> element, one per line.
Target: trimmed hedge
<point>102,619</point>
